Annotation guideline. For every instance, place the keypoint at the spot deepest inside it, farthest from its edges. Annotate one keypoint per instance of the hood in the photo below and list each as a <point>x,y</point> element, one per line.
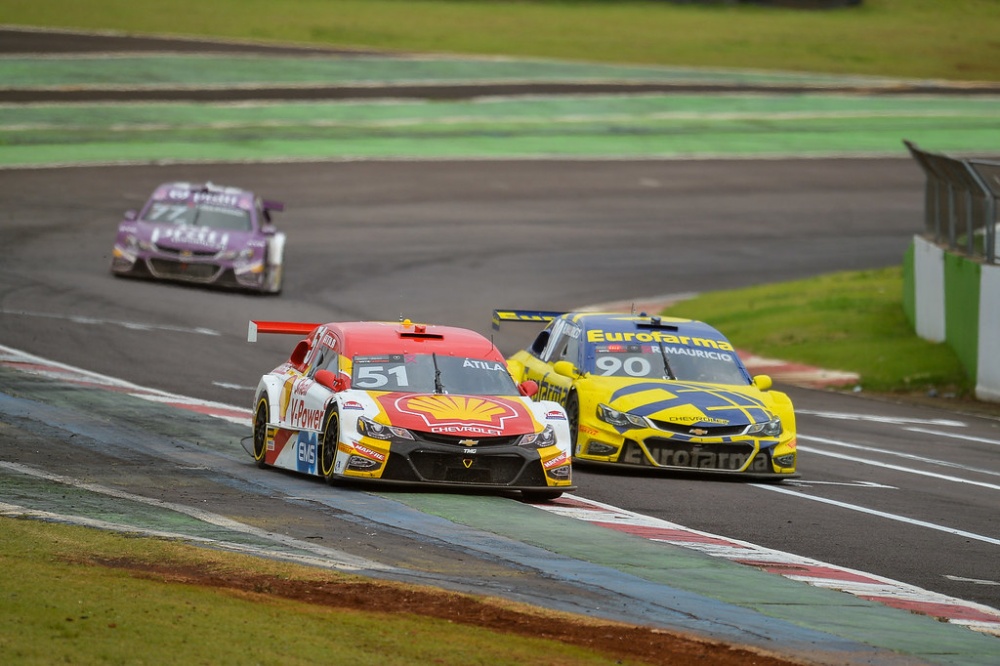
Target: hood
<point>688,403</point>
<point>447,414</point>
<point>182,237</point>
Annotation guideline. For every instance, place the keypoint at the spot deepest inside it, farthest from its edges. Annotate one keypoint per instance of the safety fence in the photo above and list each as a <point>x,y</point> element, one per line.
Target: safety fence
<point>951,272</point>
<point>961,203</point>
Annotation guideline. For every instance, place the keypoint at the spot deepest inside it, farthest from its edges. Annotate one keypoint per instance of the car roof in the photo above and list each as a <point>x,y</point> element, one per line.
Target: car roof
<point>379,337</point>
<point>207,193</point>
<point>610,321</point>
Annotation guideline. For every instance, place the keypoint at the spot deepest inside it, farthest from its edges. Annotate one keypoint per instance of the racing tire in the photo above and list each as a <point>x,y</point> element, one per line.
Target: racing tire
<point>573,415</point>
<point>260,432</point>
<point>534,496</point>
<point>328,450</point>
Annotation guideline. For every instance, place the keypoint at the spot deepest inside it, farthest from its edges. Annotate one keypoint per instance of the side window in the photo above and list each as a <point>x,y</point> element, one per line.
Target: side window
<point>326,359</point>
<point>564,344</point>
<point>555,338</point>
<point>571,350</point>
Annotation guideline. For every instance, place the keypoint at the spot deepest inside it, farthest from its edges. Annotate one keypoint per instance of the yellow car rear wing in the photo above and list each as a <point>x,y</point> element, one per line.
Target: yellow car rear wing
<point>523,315</point>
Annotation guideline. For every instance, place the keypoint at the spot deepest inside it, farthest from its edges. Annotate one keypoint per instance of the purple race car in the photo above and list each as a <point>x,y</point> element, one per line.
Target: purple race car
<point>202,233</point>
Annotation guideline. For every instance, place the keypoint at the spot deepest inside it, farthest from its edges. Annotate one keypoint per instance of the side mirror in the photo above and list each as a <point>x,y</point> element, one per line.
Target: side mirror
<point>566,369</point>
<point>762,382</point>
<point>528,388</point>
<point>131,215</point>
<point>331,380</point>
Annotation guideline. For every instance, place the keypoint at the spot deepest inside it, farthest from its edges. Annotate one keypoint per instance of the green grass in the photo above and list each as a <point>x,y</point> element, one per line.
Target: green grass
<point>953,39</point>
<point>80,596</point>
<point>851,321</point>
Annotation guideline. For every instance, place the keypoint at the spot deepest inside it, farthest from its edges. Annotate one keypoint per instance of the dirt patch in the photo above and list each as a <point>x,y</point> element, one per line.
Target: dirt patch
<point>646,644</point>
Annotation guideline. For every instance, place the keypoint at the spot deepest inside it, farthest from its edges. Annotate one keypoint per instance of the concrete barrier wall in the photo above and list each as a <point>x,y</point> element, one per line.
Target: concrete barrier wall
<point>956,300</point>
<point>988,366</point>
<point>928,278</point>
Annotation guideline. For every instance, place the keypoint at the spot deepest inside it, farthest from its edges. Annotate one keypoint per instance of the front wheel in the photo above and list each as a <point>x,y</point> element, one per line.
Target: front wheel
<point>328,452</point>
<point>573,414</point>
<point>260,432</point>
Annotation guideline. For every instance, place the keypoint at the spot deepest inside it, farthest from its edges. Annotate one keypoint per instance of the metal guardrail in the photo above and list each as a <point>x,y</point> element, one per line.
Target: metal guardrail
<point>960,203</point>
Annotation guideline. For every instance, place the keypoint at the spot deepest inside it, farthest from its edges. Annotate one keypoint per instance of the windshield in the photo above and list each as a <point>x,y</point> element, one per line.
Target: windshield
<point>428,373</point>
<point>214,217</point>
<point>681,362</point>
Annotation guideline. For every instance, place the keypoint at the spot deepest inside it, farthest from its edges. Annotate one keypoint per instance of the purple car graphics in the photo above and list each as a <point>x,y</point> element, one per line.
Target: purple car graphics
<point>202,233</point>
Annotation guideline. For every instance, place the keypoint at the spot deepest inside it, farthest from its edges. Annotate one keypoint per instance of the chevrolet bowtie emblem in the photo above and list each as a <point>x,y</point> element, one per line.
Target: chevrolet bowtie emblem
<point>467,462</point>
<point>468,442</point>
<point>698,432</point>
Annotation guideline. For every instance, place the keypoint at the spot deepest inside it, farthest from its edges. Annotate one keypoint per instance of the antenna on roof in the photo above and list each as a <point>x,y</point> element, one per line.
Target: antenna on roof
<point>633,308</point>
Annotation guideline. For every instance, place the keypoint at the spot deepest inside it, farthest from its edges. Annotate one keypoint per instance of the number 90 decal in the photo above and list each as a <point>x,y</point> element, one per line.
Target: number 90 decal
<point>633,366</point>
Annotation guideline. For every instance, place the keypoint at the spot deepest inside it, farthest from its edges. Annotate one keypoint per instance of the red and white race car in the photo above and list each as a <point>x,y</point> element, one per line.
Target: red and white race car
<point>407,403</point>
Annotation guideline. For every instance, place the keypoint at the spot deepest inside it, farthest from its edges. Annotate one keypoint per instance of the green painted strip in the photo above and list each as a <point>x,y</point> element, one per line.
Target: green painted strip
<point>618,126</point>
<point>203,70</point>
<point>824,610</point>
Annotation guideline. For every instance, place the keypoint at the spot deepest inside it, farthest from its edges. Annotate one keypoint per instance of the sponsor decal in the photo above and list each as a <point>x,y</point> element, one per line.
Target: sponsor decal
<point>353,404</point>
<point>369,453</point>
<point>588,430</point>
<point>697,418</point>
<point>553,392</point>
<point>598,336</point>
<point>459,414</point>
<point>303,387</point>
<point>492,366</point>
<point>697,459</point>
<point>305,417</point>
<point>555,415</point>
<point>203,236</point>
<point>305,451</point>
<point>468,462</point>
<point>561,459</point>
<point>286,396</point>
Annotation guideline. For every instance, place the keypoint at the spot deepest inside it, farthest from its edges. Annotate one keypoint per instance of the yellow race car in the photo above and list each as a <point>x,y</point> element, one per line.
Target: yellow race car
<point>656,392</point>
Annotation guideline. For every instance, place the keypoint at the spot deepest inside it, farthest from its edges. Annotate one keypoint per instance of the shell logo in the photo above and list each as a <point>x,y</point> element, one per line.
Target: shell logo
<point>443,410</point>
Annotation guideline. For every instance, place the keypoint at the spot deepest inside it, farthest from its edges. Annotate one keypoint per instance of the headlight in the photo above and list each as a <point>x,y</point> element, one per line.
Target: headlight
<point>771,428</point>
<point>538,440</point>
<point>370,428</point>
<point>131,243</point>
<point>621,419</point>
<point>243,255</point>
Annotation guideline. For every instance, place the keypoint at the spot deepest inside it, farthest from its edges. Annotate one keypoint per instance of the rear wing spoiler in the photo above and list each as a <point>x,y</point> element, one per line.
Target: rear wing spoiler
<point>289,327</point>
<point>267,204</point>
<point>523,315</point>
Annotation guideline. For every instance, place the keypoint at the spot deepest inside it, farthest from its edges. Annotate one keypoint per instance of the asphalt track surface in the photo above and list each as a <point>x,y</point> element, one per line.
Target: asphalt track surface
<point>895,490</point>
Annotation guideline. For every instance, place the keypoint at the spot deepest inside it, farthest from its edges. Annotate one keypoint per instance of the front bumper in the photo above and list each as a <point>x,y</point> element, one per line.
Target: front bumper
<point>197,271</point>
<point>656,449</point>
<point>487,467</point>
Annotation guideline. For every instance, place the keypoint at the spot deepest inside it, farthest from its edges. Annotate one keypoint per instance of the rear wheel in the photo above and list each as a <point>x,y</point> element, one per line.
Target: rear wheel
<point>328,452</point>
<point>260,432</point>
